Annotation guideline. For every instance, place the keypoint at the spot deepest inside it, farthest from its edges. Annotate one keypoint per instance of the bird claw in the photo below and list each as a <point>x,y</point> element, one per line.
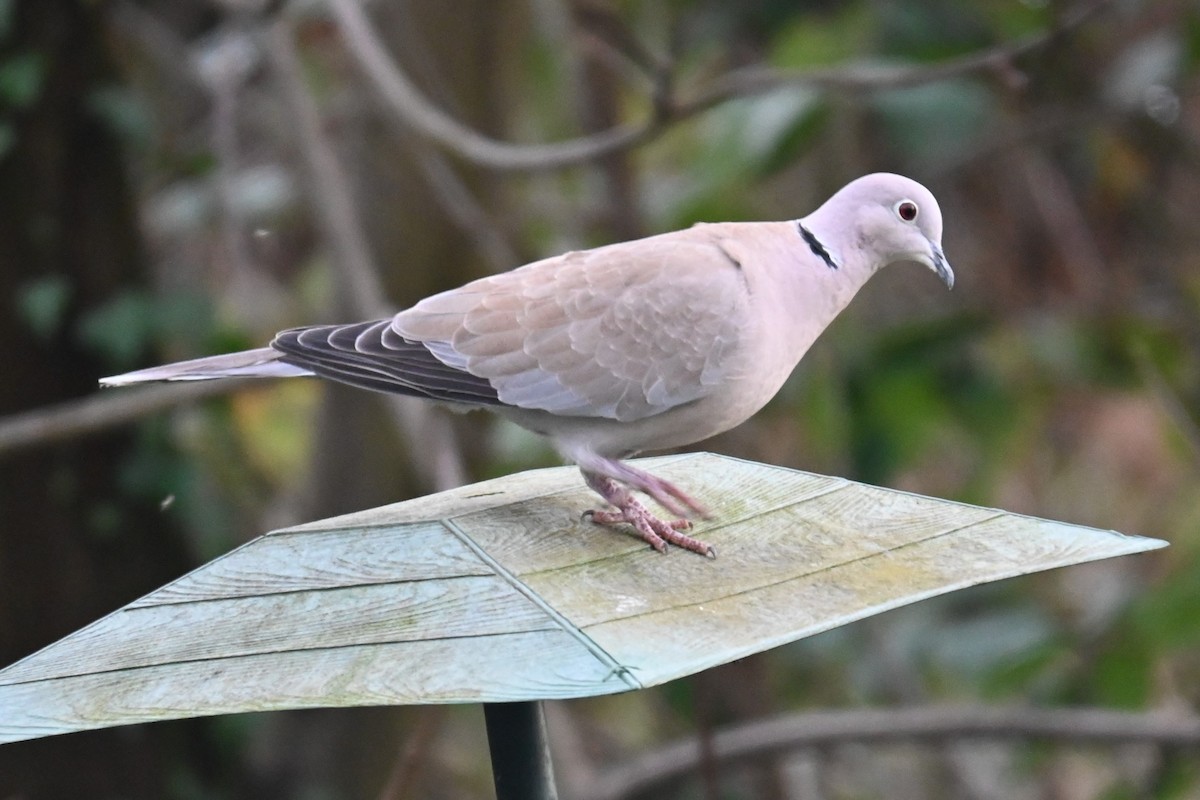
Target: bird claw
<point>656,532</point>
<point>604,475</point>
<point>629,510</point>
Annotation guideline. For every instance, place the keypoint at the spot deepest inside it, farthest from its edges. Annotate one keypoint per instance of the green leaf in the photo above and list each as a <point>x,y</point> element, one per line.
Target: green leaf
<point>753,136</point>
<point>793,138</point>
<point>978,645</point>
<point>932,29</point>
<point>823,39</point>
<point>21,78</point>
<point>1032,671</point>
<point>1014,20</point>
<point>938,122</point>
<point>901,393</point>
<point>1191,32</point>
<point>184,317</point>
<point>121,329</point>
<point>1166,618</point>
<point>122,112</point>
<point>1123,674</point>
<point>129,324</point>
<point>42,303</point>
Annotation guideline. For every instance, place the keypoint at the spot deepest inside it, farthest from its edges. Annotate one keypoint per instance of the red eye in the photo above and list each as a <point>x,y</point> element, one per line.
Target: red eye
<point>907,210</point>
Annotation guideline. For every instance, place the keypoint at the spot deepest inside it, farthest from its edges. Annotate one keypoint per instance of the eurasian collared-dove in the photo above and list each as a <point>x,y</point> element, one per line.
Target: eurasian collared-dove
<point>643,345</point>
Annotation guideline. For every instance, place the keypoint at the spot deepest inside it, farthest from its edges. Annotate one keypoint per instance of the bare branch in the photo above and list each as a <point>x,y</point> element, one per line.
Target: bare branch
<point>1065,224</point>
<point>771,737</point>
<point>332,201</point>
<point>600,19</point>
<point>1173,406</point>
<point>863,78</point>
<point>463,209</point>
<point>416,112</point>
<point>414,753</point>
<point>413,110</point>
<point>94,413</point>
<point>430,442</point>
<point>143,34</point>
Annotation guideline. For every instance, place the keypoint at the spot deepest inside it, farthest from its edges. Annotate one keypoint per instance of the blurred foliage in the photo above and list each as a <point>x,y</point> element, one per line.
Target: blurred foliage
<point>1061,378</point>
<point>126,328</point>
<point>21,80</point>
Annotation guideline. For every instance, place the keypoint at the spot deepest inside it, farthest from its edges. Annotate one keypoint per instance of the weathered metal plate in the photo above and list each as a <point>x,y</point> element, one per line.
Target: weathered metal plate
<point>498,591</point>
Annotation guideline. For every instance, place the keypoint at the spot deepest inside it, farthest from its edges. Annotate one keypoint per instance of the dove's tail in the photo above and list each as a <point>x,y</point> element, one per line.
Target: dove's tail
<point>261,363</point>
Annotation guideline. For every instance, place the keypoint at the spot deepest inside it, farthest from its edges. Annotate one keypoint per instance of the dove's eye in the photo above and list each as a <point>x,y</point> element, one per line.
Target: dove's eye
<point>906,210</point>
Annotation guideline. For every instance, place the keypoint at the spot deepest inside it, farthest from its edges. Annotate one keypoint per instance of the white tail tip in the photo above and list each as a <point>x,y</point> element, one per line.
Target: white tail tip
<point>261,363</point>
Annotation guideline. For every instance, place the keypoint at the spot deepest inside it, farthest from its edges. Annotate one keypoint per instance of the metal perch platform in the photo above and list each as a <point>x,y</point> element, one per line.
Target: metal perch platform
<point>498,592</point>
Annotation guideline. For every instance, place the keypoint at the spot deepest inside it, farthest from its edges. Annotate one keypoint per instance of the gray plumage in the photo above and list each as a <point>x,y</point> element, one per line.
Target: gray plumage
<point>642,345</point>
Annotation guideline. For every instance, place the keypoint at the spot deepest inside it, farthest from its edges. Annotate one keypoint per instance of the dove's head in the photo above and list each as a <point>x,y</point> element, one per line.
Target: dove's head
<point>887,218</point>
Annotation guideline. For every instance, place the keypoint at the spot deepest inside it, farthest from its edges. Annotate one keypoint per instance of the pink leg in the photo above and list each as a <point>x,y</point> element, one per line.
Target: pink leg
<point>665,493</point>
<point>657,532</point>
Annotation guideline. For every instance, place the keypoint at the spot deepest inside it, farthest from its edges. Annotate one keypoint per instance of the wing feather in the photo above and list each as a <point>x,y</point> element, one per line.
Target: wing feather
<point>370,355</point>
<point>622,332</point>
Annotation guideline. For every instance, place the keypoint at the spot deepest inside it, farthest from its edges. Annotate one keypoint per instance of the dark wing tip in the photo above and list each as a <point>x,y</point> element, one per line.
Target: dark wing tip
<point>370,355</point>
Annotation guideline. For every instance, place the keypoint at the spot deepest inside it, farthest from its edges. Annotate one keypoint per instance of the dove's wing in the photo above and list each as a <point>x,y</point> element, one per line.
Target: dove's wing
<point>622,332</point>
<point>371,355</point>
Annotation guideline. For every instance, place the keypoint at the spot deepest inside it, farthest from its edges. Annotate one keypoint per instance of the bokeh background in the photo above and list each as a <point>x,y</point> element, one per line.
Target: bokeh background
<point>185,177</point>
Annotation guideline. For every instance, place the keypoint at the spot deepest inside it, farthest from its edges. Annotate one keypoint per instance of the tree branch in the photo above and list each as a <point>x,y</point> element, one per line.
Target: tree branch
<point>75,418</point>
<point>332,202</point>
<point>865,77</point>
<point>430,441</point>
<point>822,729</point>
<point>461,207</point>
<point>416,112</point>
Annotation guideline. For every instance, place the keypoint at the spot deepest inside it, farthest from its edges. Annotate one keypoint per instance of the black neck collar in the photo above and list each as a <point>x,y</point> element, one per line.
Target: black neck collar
<point>815,245</point>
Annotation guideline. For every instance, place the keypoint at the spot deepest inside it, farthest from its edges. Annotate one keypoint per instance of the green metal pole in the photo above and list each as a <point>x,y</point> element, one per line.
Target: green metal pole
<point>520,752</point>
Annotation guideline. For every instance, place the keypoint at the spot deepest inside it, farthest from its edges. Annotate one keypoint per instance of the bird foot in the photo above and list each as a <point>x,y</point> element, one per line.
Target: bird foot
<point>605,476</point>
<point>629,510</point>
<point>657,532</point>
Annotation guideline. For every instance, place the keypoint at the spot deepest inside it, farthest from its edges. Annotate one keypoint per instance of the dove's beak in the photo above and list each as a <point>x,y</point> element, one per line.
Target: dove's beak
<point>941,266</point>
